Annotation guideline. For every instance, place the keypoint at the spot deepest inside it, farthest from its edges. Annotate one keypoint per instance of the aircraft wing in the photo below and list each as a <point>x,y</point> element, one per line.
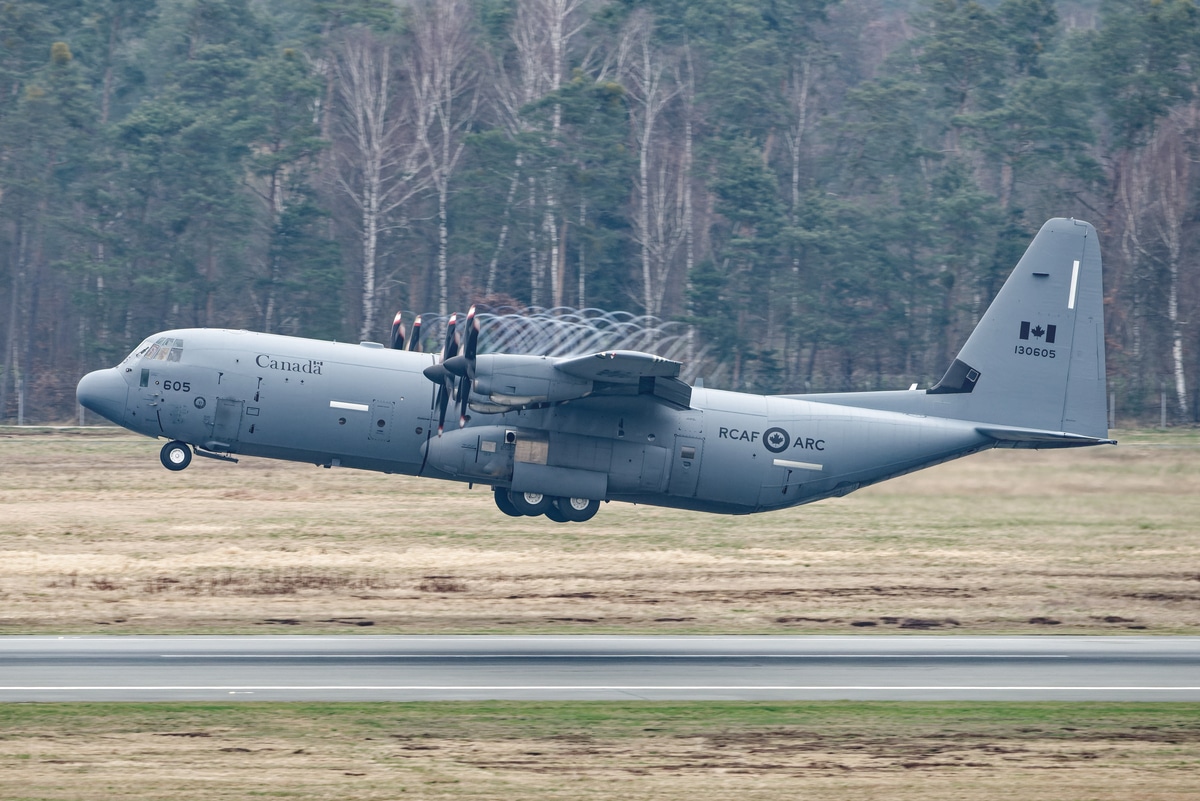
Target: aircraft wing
<point>507,381</point>
<point>619,366</point>
<point>628,372</point>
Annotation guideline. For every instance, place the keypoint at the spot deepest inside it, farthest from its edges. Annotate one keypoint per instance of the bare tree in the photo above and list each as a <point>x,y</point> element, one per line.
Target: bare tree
<point>542,32</point>
<point>798,102</point>
<point>443,69</point>
<point>687,83</point>
<point>659,223</point>
<point>1172,201</point>
<point>380,166</point>
<point>1153,209</point>
<point>1132,200</point>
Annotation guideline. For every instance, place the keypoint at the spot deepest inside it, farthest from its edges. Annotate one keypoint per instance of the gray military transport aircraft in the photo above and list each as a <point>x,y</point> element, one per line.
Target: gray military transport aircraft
<point>555,436</point>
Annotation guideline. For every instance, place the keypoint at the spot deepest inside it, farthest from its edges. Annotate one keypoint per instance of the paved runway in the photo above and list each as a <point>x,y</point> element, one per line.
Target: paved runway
<point>411,668</point>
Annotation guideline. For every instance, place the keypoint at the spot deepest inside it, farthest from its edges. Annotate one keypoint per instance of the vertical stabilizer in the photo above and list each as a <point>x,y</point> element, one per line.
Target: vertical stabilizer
<point>1036,359</point>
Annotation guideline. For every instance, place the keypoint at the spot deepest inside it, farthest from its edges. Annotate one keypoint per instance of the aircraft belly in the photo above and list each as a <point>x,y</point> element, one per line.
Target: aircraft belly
<point>844,449</point>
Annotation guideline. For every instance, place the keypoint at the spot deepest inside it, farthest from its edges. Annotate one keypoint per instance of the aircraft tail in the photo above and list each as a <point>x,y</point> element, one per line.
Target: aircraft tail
<point>1035,363</point>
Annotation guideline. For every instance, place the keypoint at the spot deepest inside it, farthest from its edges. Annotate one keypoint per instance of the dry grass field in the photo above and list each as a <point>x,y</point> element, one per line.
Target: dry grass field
<point>95,536</point>
<point>567,751</point>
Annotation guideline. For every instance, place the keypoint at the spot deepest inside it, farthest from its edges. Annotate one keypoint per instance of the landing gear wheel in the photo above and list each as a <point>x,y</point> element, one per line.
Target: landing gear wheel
<point>175,455</point>
<point>530,504</point>
<point>504,504</point>
<point>577,510</point>
<point>555,515</point>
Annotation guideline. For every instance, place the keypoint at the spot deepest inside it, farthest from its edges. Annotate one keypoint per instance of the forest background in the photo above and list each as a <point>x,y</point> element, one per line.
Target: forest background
<point>824,194</point>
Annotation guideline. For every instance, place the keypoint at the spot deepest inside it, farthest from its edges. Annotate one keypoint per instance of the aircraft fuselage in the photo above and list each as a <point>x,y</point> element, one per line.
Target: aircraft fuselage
<point>369,407</point>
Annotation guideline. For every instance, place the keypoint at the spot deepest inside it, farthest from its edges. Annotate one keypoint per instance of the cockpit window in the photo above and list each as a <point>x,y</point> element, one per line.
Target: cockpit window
<point>165,349</point>
<point>139,351</point>
<point>162,349</point>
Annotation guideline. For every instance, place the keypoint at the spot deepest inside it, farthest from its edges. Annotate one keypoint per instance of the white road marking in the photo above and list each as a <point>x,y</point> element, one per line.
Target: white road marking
<point>354,407</point>
<point>1074,284</point>
<point>622,687</point>
<point>613,656</point>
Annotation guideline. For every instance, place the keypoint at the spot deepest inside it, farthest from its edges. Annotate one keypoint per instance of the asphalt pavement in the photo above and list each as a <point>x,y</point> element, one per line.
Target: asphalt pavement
<point>413,668</point>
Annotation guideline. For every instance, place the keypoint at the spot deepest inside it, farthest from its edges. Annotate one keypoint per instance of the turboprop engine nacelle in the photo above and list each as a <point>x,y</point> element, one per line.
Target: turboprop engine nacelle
<point>515,380</point>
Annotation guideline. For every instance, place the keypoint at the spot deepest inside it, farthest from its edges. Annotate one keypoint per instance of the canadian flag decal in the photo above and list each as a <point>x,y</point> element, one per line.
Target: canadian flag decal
<point>1028,329</point>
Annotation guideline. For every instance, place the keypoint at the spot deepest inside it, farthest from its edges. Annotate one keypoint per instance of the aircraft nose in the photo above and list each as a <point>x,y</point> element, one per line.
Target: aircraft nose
<point>104,392</point>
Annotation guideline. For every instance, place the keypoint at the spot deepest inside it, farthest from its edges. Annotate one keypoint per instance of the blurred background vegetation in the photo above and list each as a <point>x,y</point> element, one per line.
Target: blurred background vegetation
<point>826,192</point>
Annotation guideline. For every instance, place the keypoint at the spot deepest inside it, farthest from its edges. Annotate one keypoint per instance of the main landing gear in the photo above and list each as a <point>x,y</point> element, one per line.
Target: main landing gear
<point>533,504</point>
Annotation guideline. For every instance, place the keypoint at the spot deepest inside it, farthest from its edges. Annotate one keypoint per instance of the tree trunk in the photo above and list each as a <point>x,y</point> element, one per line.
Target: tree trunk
<point>443,242</point>
<point>503,237</point>
<point>10,344</point>
<point>535,271</point>
<point>582,283</point>
<point>370,242</point>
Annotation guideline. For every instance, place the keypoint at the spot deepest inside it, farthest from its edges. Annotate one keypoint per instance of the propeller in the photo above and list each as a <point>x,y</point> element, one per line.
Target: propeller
<point>467,380</point>
<point>414,342</point>
<point>397,333</point>
<point>438,374</point>
<point>455,373</point>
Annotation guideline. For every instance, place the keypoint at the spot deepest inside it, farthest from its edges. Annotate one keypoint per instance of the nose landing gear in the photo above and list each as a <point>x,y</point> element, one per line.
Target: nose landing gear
<point>175,455</point>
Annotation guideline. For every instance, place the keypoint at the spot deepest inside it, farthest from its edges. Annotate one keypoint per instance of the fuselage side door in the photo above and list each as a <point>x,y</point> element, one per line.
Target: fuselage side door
<point>227,424</point>
<point>685,466</point>
<point>144,416</point>
<point>689,449</point>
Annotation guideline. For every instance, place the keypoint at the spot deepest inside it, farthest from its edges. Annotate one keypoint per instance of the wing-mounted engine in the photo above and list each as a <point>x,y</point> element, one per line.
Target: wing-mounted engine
<point>512,381</point>
<point>493,383</point>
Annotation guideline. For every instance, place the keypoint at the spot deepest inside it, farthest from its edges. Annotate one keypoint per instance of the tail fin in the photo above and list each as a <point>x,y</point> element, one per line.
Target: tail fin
<point>1035,362</point>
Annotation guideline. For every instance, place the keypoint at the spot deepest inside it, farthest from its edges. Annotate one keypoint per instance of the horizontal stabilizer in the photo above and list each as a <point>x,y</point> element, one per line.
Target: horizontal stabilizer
<point>1010,437</point>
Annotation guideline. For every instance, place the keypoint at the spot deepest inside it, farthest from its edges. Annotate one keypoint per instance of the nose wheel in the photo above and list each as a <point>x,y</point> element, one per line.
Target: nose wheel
<point>175,455</point>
